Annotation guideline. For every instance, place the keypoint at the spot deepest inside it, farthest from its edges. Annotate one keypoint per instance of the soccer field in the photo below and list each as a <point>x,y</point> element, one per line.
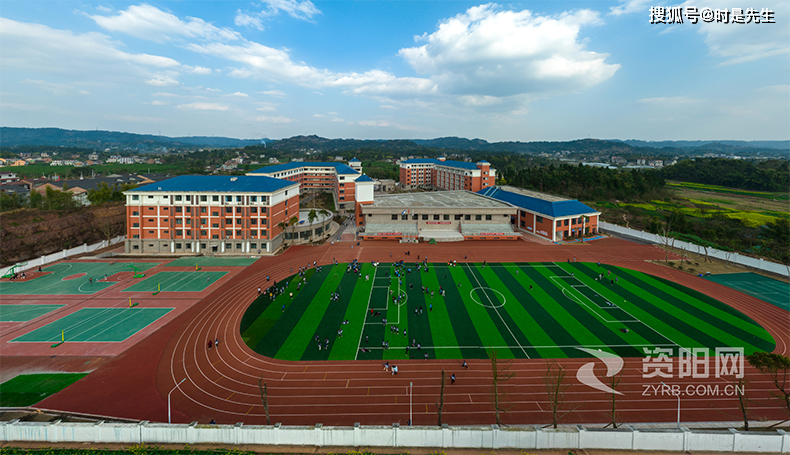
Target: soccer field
<point>521,310</point>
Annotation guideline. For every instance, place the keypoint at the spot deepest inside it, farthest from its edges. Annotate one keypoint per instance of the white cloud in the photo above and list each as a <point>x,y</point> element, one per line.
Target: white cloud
<point>150,23</point>
<point>669,100</point>
<point>278,119</point>
<point>332,113</point>
<point>243,19</point>
<point>373,123</point>
<point>200,70</point>
<point>490,52</point>
<point>55,88</point>
<point>161,80</point>
<point>302,10</point>
<point>89,56</point>
<point>274,93</point>
<point>266,108</point>
<point>203,107</point>
<point>239,94</point>
<point>319,115</point>
<point>632,6</point>
<point>158,103</point>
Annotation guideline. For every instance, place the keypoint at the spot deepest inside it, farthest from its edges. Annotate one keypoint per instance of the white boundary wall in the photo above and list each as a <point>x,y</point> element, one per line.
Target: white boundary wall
<point>760,264</point>
<point>49,258</point>
<point>482,437</point>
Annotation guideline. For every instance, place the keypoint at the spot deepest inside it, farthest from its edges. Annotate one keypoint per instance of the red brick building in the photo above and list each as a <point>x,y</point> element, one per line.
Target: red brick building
<point>195,214</point>
<point>446,175</point>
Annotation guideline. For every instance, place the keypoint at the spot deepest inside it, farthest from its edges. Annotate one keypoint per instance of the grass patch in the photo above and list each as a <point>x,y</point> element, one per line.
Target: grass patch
<point>29,389</point>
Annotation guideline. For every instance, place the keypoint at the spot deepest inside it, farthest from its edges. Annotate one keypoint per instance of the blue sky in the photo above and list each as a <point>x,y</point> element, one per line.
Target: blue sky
<point>516,71</point>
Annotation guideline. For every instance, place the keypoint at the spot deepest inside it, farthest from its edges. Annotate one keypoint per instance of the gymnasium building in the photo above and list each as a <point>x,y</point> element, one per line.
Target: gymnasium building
<point>552,217</point>
<point>446,175</point>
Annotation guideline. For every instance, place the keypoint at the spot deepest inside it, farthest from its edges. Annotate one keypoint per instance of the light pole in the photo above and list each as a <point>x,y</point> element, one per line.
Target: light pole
<point>411,387</point>
<point>168,399</point>
<point>678,395</point>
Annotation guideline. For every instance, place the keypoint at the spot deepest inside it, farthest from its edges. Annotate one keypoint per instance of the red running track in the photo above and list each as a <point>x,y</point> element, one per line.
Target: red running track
<point>222,383</point>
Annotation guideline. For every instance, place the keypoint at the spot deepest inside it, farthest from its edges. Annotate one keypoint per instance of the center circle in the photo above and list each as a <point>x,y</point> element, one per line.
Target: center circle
<point>489,301</point>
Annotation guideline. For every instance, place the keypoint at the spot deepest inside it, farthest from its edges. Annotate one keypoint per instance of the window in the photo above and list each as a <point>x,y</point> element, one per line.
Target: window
<point>214,225</point>
<point>523,213</point>
<point>436,217</point>
<point>415,217</point>
<point>189,221</point>
<point>178,198</point>
<point>254,221</point>
<point>228,209</point>
<point>203,233</point>
<point>189,232</point>
<point>342,198</point>
<point>538,219</point>
<point>424,217</point>
<point>478,217</point>
<point>203,198</point>
<point>522,223</point>
<point>228,233</point>
<point>404,217</point>
<point>253,198</point>
<point>178,209</point>
<point>394,217</point>
<point>238,233</point>
<point>136,236</point>
<point>342,184</point>
<point>215,198</point>
<point>239,222</point>
<point>457,217</point>
<point>179,220</point>
<point>179,232</point>
<point>135,213</point>
<point>202,246</point>
<point>227,246</point>
<point>573,221</point>
<point>202,210</point>
<point>166,232</point>
<point>263,232</point>
<point>203,221</point>
<point>238,210</point>
<point>467,217</point>
<point>135,197</point>
<point>228,198</point>
<point>559,223</point>
<point>178,246</point>
<point>215,236</point>
<point>135,225</point>
<point>488,217</point>
<point>446,217</point>
<point>150,208</point>
<point>214,213</point>
<point>263,209</point>
<point>239,198</point>
<point>566,222</point>
<point>136,247</point>
<point>263,222</point>
<point>254,209</point>
<point>253,245</point>
<point>189,209</point>
<point>238,246</point>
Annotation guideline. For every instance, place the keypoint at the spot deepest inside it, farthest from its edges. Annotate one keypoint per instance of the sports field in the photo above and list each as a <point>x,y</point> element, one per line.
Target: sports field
<point>767,289</point>
<point>95,325</point>
<point>211,262</point>
<point>72,278</point>
<point>522,310</point>
<point>176,282</point>
<point>29,389</point>
<point>22,313</point>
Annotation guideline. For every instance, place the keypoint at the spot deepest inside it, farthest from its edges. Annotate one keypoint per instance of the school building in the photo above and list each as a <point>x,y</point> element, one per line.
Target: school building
<point>339,179</point>
<point>448,175</point>
<point>209,214</point>
<point>552,217</point>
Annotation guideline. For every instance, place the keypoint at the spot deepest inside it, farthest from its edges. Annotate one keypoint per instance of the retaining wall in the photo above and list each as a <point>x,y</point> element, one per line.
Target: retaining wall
<point>54,257</point>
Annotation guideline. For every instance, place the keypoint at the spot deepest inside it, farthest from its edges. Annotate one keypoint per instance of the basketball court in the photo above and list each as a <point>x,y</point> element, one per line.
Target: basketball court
<point>176,282</point>
<point>23,313</point>
<point>65,278</point>
<point>767,289</point>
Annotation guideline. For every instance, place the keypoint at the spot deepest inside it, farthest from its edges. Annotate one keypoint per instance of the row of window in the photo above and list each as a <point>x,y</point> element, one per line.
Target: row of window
<point>253,210</point>
<point>188,246</point>
<point>204,233</point>
<point>416,217</point>
<point>214,198</point>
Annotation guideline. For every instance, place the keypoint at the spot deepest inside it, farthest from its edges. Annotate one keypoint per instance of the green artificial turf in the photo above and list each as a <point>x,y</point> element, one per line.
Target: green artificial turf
<point>489,308</point>
<point>29,389</point>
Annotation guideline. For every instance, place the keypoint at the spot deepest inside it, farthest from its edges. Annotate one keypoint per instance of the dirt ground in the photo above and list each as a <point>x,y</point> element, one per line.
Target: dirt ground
<point>714,266</point>
<point>733,201</point>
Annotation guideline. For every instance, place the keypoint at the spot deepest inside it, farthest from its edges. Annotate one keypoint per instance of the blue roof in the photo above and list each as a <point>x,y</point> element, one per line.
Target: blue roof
<point>365,178</point>
<point>217,183</point>
<point>553,209</point>
<point>354,160</point>
<point>458,164</point>
<point>340,167</point>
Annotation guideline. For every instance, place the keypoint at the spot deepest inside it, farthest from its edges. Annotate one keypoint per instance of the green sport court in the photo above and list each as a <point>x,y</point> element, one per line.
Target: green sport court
<point>211,262</point>
<point>29,389</point>
<point>766,289</point>
<point>54,283</point>
<point>176,282</point>
<point>96,325</point>
<point>23,313</point>
<point>521,310</point>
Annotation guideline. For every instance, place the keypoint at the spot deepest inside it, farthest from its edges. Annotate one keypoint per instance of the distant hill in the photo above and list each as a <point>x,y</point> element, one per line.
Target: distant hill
<point>781,145</point>
<point>99,140</point>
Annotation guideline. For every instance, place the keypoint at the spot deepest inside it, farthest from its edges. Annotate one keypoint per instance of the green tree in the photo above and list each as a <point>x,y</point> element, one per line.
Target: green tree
<point>776,367</point>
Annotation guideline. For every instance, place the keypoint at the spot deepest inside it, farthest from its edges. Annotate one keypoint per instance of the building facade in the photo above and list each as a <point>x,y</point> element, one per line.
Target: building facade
<point>336,178</point>
<point>446,175</point>
<point>200,214</point>
<point>551,217</point>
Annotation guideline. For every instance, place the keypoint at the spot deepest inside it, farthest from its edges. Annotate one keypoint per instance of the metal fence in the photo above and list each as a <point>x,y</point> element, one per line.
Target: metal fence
<point>49,258</point>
